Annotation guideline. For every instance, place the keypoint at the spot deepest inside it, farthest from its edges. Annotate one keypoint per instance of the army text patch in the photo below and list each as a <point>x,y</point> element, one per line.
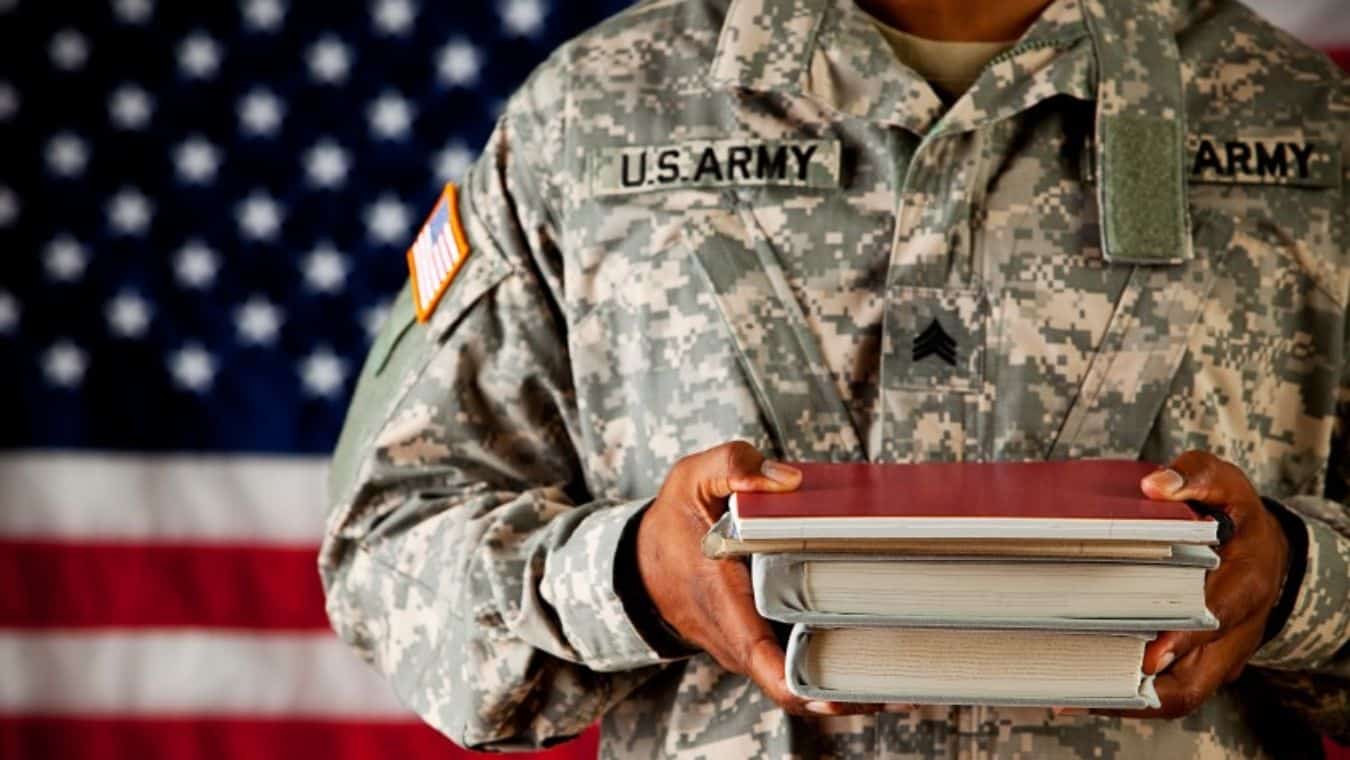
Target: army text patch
<point>437,254</point>
<point>1263,161</point>
<point>714,163</point>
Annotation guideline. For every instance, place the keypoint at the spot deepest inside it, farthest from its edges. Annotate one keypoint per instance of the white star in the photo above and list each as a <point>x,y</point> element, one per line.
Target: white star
<point>453,162</point>
<point>133,11</point>
<point>130,107</point>
<point>393,17</point>
<point>9,101</point>
<point>128,315</point>
<point>372,319</point>
<point>9,312</point>
<point>325,269</point>
<point>264,15</point>
<point>129,211</point>
<point>195,265</point>
<point>261,112</point>
<point>199,56</point>
<point>326,164</point>
<point>65,259</point>
<point>390,116</point>
<point>329,60</point>
<point>523,18</point>
<point>67,154</point>
<point>9,206</point>
<point>197,161</point>
<point>64,364</point>
<point>69,50</point>
<point>193,369</point>
<point>459,63</point>
<point>259,216</point>
<point>323,372</point>
<point>387,220</point>
<point>258,321</point>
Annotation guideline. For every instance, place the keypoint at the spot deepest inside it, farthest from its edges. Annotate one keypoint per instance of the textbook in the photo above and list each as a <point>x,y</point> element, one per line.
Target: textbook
<point>1089,500</point>
<point>970,667</point>
<point>1009,592</point>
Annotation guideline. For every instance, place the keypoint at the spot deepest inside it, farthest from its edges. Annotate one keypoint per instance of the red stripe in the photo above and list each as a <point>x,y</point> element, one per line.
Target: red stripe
<point>42,738</point>
<point>1341,56</point>
<point>45,584</point>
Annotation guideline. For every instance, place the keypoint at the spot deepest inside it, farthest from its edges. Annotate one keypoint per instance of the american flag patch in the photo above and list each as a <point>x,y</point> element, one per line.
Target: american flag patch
<point>438,253</point>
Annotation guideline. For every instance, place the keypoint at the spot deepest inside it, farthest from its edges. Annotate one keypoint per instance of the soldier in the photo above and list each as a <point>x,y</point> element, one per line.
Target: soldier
<point>708,232</point>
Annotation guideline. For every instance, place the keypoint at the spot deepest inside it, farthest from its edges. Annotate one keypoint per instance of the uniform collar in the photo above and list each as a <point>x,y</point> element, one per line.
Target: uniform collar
<point>1122,54</point>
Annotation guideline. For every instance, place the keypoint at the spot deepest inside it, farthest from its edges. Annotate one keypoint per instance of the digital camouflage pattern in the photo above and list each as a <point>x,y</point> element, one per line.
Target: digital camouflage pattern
<point>1101,303</point>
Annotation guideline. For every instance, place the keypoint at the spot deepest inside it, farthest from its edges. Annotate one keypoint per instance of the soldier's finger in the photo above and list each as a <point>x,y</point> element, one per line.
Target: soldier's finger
<point>1203,477</point>
<point>1192,680</point>
<point>1228,596</point>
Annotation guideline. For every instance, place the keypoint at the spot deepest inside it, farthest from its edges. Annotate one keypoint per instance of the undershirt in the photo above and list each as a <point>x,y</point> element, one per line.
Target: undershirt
<point>951,67</point>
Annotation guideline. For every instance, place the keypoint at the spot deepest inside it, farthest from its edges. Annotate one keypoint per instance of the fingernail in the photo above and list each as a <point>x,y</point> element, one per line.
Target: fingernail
<point>820,708</point>
<point>778,472</point>
<point>1164,661</point>
<point>1166,481</point>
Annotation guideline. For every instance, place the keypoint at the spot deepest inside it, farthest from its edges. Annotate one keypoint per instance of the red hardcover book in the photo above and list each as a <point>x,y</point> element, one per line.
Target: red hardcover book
<point>1077,500</point>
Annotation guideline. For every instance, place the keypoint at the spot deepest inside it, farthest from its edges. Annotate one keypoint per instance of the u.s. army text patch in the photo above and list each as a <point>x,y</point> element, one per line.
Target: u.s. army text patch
<point>437,254</point>
<point>1265,160</point>
<point>714,163</point>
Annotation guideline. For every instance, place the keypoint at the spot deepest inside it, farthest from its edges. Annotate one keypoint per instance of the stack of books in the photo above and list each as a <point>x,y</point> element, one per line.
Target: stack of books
<point>993,584</point>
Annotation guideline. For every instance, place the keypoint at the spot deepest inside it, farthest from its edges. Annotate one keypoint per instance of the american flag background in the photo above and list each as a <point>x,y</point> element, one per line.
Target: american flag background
<point>204,211</point>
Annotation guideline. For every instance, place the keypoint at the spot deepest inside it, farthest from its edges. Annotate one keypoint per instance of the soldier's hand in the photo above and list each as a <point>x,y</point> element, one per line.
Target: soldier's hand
<point>710,602</point>
<point>1192,665</point>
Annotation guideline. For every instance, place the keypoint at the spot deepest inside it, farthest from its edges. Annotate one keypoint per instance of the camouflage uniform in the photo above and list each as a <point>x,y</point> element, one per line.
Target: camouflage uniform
<point>709,220</point>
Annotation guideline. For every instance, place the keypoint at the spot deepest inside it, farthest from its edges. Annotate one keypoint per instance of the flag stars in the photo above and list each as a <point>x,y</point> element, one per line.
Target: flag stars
<point>196,161</point>
<point>264,15</point>
<point>324,269</point>
<point>193,368</point>
<point>258,321</point>
<point>390,116</point>
<point>128,315</point>
<point>372,318</point>
<point>523,18</point>
<point>9,313</point>
<point>69,50</point>
<point>129,212</point>
<point>393,17</point>
<point>133,11</point>
<point>326,164</point>
<point>9,101</point>
<point>458,64</point>
<point>64,364</point>
<point>387,220</point>
<point>9,207</point>
<point>199,56</point>
<point>130,107</point>
<point>259,217</point>
<point>65,259</point>
<point>453,162</point>
<point>67,155</point>
<point>260,112</point>
<point>329,60</point>
<point>323,373</point>
<point>195,265</point>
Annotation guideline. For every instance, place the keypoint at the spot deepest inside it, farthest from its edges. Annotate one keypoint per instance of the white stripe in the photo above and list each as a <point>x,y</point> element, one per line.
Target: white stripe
<point>447,255</point>
<point>1323,23</point>
<point>185,673</point>
<point>105,495</point>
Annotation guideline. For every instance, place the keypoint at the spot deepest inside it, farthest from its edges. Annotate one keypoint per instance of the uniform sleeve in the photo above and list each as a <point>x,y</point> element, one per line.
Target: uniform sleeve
<point>465,557</point>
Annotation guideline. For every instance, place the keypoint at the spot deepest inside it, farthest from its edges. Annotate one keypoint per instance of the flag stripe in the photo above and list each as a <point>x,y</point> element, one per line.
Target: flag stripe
<point>256,739</point>
<point>78,585</point>
<point>188,673</point>
<point>107,496</point>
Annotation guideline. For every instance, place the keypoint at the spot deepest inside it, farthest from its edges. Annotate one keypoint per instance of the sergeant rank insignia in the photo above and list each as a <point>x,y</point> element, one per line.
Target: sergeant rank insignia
<point>437,254</point>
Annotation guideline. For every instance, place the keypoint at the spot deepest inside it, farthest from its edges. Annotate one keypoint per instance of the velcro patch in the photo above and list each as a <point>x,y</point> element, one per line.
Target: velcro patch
<point>437,254</point>
<point>714,163</point>
<point>1273,160</point>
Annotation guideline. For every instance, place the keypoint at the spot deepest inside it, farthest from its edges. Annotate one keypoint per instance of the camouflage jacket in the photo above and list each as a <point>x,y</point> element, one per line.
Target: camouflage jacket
<point>708,220</point>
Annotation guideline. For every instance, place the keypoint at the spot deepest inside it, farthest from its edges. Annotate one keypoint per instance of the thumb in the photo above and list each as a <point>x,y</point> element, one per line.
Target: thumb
<point>744,468</point>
